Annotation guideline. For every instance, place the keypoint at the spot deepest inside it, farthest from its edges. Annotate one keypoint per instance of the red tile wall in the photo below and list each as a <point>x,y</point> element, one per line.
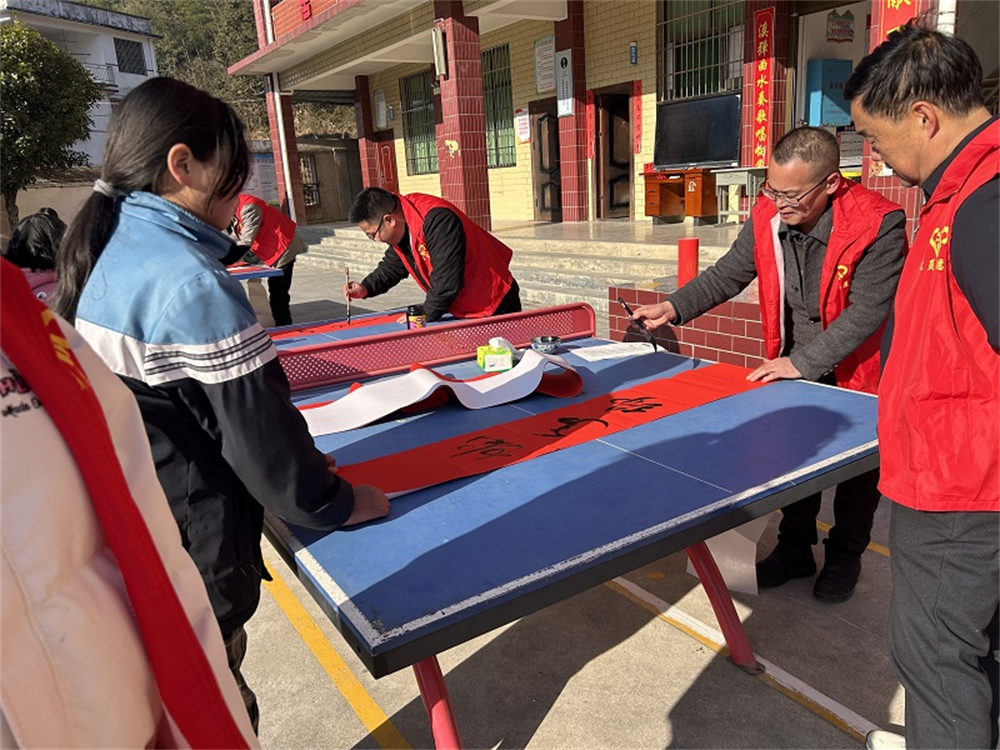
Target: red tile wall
<point>573,129</point>
<point>363,116</point>
<point>728,333</point>
<point>910,198</point>
<point>779,75</point>
<point>461,132</point>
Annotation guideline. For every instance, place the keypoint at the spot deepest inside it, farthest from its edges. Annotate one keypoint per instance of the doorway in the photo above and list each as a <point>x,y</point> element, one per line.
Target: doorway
<point>546,183</point>
<point>613,152</point>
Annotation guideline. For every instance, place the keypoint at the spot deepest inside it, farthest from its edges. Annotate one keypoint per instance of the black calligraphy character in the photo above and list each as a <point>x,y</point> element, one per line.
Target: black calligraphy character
<point>637,405</point>
<point>568,423</point>
<point>488,447</point>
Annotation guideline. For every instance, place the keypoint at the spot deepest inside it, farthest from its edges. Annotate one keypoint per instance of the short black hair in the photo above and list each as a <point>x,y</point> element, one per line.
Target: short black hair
<point>917,63</point>
<point>814,146</point>
<point>371,204</point>
<point>34,242</point>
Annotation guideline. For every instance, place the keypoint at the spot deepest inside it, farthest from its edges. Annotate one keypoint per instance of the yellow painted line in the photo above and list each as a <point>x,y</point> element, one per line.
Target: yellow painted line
<point>876,548</point>
<point>774,676</point>
<point>382,730</point>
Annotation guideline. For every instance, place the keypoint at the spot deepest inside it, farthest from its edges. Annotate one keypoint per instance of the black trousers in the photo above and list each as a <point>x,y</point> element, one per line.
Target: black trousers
<point>854,508</point>
<point>945,594</point>
<point>236,649</point>
<point>279,297</point>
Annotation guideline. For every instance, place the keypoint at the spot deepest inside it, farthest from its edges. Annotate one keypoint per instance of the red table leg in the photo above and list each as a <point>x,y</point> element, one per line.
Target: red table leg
<point>438,704</point>
<point>722,603</point>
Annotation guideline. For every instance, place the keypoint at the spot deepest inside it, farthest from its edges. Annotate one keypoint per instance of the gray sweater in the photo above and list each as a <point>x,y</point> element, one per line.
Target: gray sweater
<point>813,351</point>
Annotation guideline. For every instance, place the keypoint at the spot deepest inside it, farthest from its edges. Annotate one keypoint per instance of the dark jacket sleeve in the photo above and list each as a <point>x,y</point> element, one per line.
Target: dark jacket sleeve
<point>974,256</point>
<point>265,440</point>
<point>445,238</point>
<point>730,275</point>
<point>389,272</point>
<point>870,298</point>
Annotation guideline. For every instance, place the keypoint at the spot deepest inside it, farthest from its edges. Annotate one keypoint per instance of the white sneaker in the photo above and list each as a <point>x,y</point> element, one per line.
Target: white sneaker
<point>879,739</point>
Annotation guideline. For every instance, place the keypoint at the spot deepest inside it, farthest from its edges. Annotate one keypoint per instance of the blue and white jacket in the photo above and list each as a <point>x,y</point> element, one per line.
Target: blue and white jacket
<point>166,316</point>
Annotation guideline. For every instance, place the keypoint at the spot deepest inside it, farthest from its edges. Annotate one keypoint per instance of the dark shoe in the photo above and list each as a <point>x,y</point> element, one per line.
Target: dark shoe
<point>785,563</point>
<point>839,576</point>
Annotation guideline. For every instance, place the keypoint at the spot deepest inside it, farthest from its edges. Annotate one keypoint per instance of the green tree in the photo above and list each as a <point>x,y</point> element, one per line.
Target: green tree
<point>41,119</point>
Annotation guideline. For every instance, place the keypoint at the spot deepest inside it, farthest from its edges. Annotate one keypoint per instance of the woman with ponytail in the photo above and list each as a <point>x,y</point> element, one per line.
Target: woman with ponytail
<point>141,275</point>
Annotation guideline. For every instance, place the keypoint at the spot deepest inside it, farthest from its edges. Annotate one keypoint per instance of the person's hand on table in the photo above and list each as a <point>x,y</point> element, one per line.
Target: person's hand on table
<point>651,317</point>
<point>331,464</point>
<point>369,503</point>
<point>354,290</point>
<point>775,369</point>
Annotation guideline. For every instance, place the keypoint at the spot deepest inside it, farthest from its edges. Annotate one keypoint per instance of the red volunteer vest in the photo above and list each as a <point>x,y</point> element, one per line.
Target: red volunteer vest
<point>276,230</point>
<point>857,217</point>
<point>938,408</point>
<point>487,260</point>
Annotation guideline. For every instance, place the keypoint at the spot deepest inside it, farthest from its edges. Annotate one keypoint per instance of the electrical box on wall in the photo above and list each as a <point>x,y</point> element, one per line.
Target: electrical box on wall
<point>825,104</point>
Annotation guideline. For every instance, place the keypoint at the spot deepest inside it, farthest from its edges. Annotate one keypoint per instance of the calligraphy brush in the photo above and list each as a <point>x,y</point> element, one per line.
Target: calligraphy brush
<point>642,329</point>
<point>347,273</point>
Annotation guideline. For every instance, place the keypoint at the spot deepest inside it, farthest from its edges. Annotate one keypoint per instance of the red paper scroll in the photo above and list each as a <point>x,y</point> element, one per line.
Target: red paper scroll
<point>763,86</point>
<point>894,14</point>
<point>505,444</point>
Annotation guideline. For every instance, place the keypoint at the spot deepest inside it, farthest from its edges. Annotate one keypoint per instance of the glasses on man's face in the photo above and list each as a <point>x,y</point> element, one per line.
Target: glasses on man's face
<point>789,200</point>
<point>374,235</point>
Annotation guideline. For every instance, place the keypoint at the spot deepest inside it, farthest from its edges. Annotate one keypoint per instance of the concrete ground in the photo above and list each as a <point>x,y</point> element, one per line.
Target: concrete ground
<point>634,663</point>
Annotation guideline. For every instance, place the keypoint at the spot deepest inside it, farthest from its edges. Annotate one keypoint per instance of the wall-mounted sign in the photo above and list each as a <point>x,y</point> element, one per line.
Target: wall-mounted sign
<point>522,126</point>
<point>839,28</point>
<point>380,110</point>
<point>564,83</point>
<point>763,68</point>
<point>545,65</point>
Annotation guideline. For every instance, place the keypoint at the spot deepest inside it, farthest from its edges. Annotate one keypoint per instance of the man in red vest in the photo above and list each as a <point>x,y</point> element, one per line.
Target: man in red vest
<point>827,254</point>
<point>462,268</point>
<point>270,238</point>
<point>918,99</point>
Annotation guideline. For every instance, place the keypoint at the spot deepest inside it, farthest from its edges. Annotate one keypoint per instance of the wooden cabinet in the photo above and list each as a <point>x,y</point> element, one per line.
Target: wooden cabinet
<point>689,192</point>
<point>664,195</point>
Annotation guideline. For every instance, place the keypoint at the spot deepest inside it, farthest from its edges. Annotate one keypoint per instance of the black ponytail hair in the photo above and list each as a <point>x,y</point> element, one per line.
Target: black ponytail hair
<point>150,120</point>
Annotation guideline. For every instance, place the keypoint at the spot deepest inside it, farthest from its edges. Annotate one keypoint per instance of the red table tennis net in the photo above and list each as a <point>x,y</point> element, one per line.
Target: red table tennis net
<point>343,361</point>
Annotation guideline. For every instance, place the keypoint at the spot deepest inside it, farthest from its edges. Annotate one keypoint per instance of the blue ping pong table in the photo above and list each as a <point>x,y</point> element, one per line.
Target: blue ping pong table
<point>457,560</point>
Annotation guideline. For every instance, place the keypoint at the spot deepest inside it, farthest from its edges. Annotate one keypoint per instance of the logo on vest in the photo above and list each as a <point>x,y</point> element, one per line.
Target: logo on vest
<point>422,250</point>
<point>938,239</point>
<point>843,272</point>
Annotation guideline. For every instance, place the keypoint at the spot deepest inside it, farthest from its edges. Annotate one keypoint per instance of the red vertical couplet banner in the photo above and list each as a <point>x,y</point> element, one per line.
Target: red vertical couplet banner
<point>590,123</point>
<point>763,85</point>
<point>637,115</point>
<point>894,14</point>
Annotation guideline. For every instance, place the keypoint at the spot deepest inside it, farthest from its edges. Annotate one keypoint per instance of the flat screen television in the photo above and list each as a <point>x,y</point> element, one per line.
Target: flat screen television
<point>698,132</point>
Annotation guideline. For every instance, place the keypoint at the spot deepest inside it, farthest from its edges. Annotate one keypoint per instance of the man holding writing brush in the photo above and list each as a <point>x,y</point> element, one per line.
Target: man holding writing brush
<point>827,254</point>
<point>463,269</point>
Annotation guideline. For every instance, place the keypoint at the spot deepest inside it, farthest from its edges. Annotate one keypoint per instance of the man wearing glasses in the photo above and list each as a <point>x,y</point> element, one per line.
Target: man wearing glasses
<point>827,254</point>
<point>462,268</point>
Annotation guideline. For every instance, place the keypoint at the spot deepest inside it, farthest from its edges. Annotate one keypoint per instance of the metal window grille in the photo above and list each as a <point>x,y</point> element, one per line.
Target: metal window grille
<point>130,57</point>
<point>701,43</point>
<point>419,137</point>
<point>310,185</point>
<point>498,103</point>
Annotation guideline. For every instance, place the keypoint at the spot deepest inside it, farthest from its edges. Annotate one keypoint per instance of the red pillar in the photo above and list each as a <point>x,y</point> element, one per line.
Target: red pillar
<point>911,199</point>
<point>461,134</point>
<point>363,115</point>
<point>260,22</point>
<point>779,55</point>
<point>280,106</point>
<point>573,128</point>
